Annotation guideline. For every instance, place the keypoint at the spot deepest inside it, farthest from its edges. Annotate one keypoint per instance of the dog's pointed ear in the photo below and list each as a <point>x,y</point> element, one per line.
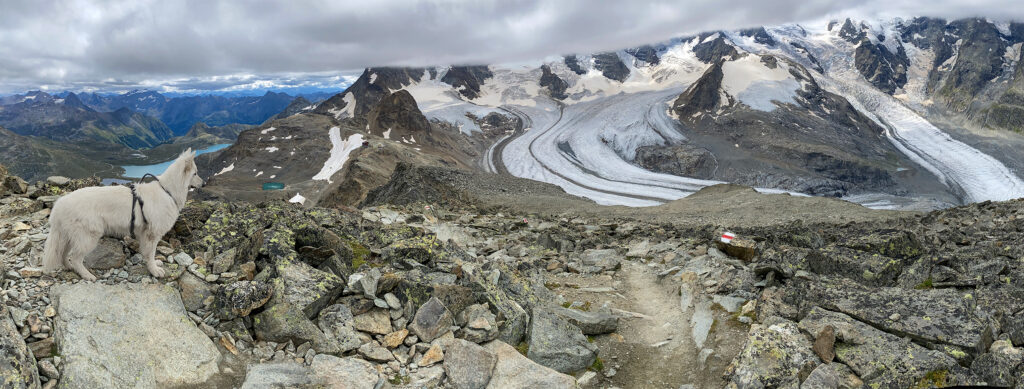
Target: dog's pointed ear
<point>188,153</point>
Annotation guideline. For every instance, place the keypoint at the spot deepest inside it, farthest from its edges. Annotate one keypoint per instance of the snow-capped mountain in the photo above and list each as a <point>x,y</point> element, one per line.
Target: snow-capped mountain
<point>895,113</point>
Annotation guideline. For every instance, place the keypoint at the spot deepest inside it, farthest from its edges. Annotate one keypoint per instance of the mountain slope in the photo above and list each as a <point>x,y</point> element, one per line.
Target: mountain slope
<point>35,158</point>
<point>181,113</point>
<point>68,120</point>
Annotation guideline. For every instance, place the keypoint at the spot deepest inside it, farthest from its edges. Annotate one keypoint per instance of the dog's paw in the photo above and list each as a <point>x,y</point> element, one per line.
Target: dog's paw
<point>156,271</point>
<point>88,277</point>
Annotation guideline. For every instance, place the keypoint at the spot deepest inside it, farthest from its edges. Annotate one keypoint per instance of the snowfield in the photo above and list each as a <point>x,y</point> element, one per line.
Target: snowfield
<point>758,86</point>
<point>340,150</point>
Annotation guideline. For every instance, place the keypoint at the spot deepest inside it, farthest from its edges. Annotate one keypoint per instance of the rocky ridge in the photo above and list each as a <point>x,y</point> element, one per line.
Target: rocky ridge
<point>421,295</point>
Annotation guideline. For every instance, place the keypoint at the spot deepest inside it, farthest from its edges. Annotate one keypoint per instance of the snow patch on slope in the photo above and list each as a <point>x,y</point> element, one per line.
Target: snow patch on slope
<point>225,170</point>
<point>758,86</point>
<point>340,150</point>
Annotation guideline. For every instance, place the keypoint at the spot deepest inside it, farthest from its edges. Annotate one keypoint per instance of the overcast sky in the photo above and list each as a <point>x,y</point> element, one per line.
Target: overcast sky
<point>208,45</point>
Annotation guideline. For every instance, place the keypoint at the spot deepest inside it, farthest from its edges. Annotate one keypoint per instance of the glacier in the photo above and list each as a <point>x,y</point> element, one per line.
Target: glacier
<point>585,143</point>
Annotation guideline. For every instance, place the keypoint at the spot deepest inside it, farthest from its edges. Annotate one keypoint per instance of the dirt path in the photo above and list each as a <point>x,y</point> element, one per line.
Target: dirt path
<point>657,351</point>
<point>653,347</point>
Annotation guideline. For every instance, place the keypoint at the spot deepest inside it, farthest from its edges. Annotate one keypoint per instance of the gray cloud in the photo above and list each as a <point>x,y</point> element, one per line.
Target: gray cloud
<point>218,45</point>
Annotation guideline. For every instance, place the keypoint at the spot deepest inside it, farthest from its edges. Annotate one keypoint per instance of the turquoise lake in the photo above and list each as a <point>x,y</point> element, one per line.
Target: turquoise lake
<point>157,169</point>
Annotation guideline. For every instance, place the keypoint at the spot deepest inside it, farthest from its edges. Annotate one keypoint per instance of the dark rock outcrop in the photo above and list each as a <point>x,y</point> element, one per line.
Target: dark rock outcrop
<point>884,69</point>
<point>760,35</point>
<point>467,79</point>
<point>369,89</point>
<point>713,51</point>
<point>978,61</point>
<point>703,95</point>
<point>574,64</point>
<point>645,53</point>
<point>611,66</point>
<point>398,113</point>
<point>682,160</point>
<point>556,86</point>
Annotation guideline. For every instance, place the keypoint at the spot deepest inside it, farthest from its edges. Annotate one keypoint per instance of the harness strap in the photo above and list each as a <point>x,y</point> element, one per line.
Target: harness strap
<point>158,182</point>
<point>138,199</point>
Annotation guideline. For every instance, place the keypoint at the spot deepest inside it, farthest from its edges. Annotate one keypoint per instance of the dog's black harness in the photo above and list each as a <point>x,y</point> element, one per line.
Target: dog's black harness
<point>137,199</point>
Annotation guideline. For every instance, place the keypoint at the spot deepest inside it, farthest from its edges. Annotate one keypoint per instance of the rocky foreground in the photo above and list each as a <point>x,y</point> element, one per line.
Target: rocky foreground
<point>276,295</point>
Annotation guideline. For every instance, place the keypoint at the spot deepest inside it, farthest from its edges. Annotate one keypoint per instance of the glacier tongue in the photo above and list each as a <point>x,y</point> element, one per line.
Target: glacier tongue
<point>974,175</point>
<point>600,135</point>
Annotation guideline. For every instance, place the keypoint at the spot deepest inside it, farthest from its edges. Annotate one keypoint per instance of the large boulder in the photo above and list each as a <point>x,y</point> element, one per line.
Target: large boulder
<point>590,322</point>
<point>15,184</point>
<point>129,336</point>
<point>20,206</point>
<point>514,371</point>
<point>376,321</point>
<point>240,298</point>
<point>278,375</point>
<point>17,366</point>
<point>882,359</point>
<point>515,318</point>
<point>1003,365</point>
<point>432,320</point>
<point>468,365</point>
<point>773,356</point>
<point>336,321</point>
<point>325,372</point>
<point>344,373</point>
<point>285,322</point>
<point>942,316</point>
<point>742,248</point>
<point>558,344</point>
<point>194,291</point>
<point>303,286</point>
<point>596,261</point>
<point>478,324</point>
<point>108,254</point>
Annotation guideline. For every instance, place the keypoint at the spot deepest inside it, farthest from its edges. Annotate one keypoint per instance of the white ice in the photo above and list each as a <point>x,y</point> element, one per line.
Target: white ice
<point>340,150</point>
<point>973,175</point>
<point>225,170</point>
<point>756,85</point>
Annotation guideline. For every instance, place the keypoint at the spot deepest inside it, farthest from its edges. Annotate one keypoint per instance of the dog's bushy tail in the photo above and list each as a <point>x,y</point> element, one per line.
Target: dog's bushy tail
<point>53,253</point>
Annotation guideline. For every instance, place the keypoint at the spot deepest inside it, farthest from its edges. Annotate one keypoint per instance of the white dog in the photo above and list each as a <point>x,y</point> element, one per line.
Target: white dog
<point>80,218</point>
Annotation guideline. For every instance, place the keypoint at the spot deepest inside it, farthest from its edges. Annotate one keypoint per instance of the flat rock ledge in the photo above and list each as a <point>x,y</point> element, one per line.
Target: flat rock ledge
<point>129,336</point>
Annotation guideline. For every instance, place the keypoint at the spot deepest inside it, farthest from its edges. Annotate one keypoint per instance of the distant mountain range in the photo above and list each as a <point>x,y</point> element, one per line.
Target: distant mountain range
<point>69,119</point>
<point>110,129</point>
<point>180,113</point>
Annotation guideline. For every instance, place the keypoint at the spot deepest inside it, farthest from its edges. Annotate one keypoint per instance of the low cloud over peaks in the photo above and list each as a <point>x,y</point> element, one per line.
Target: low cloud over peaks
<point>214,45</point>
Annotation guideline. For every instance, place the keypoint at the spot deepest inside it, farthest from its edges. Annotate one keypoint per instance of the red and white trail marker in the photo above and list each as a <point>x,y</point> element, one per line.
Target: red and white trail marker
<point>727,237</point>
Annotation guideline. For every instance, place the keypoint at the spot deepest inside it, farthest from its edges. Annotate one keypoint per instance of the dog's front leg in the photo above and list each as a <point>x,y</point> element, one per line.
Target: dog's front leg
<point>148,247</point>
